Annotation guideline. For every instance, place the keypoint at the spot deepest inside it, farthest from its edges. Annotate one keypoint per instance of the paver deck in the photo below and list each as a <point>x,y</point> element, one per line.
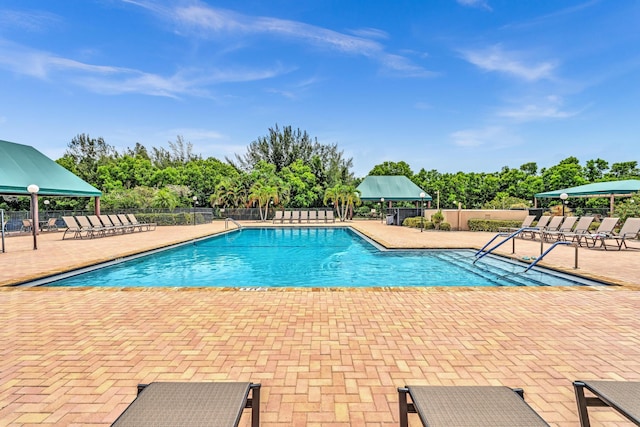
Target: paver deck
<point>73,357</point>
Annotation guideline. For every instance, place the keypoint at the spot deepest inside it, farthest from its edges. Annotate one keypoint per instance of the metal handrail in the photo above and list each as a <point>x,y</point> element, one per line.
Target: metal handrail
<point>546,252</point>
<point>226,223</point>
<point>509,237</point>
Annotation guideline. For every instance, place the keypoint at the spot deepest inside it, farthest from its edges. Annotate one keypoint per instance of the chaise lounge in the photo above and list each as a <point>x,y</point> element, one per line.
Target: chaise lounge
<point>623,396</point>
<point>629,231</point>
<point>191,404</point>
<point>467,406</point>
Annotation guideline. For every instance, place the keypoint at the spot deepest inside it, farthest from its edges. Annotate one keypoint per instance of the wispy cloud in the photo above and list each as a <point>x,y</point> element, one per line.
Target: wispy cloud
<point>119,80</point>
<point>495,58</point>
<point>482,4</point>
<point>27,21</point>
<point>489,137</point>
<point>208,22</point>
<point>548,108</point>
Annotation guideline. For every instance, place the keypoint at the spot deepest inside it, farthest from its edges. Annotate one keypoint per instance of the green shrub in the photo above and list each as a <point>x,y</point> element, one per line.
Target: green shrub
<point>492,225</point>
<point>445,226</point>
<point>417,222</point>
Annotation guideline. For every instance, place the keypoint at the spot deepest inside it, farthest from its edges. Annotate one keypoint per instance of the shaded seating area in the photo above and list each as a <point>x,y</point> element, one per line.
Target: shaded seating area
<point>192,404</point>
<point>623,396</point>
<point>467,406</point>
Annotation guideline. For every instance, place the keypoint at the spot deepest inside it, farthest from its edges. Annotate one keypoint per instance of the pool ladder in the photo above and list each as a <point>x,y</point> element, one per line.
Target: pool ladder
<point>226,223</point>
<point>510,236</point>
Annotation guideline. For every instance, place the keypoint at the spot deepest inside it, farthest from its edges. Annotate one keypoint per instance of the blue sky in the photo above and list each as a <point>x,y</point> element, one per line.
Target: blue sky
<point>450,85</point>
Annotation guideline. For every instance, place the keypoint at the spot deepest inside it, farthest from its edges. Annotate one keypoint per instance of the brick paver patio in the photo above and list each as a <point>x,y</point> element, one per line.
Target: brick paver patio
<point>73,357</point>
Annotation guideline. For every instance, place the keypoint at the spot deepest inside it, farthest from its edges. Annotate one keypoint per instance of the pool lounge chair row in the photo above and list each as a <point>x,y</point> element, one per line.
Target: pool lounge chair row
<point>303,217</point>
<point>222,404</point>
<point>574,230</point>
<point>90,226</point>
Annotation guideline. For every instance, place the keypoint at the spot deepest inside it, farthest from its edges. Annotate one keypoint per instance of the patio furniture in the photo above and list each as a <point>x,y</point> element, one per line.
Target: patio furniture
<point>468,406</point>
<point>605,229</point>
<point>27,225</point>
<point>191,404</point>
<point>582,227</point>
<point>286,217</point>
<point>72,227</point>
<point>50,225</point>
<point>554,224</point>
<point>322,216</point>
<point>125,221</point>
<point>295,217</point>
<point>329,217</point>
<point>623,396</point>
<point>528,220</point>
<point>530,233</point>
<point>304,216</point>
<point>150,226</point>
<point>565,227</point>
<point>278,217</point>
<point>629,231</point>
<point>116,222</point>
<point>91,230</point>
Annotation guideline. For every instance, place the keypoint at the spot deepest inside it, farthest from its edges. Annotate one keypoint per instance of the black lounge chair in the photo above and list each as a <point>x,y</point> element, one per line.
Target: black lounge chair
<point>623,396</point>
<point>468,406</point>
<point>191,404</point>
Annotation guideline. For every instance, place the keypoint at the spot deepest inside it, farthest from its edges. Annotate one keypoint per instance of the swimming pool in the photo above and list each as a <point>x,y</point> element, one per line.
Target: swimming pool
<point>307,257</point>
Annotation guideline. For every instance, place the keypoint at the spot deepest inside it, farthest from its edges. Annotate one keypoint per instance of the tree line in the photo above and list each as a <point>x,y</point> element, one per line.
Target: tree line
<point>289,168</point>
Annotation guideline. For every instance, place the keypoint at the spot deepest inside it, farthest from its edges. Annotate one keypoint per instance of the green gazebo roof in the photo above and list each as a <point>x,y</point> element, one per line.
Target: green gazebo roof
<point>597,189</point>
<point>392,188</point>
<point>23,165</point>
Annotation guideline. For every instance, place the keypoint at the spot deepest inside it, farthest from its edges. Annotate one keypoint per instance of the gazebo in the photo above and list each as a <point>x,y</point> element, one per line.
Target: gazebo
<point>610,189</point>
<point>24,171</point>
<point>389,189</point>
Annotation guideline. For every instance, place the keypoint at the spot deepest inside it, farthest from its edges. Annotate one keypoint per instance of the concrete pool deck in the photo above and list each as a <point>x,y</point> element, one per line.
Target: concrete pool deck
<point>324,357</point>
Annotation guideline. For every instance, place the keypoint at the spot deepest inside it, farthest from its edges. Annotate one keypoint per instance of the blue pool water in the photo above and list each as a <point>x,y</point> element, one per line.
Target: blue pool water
<point>309,257</point>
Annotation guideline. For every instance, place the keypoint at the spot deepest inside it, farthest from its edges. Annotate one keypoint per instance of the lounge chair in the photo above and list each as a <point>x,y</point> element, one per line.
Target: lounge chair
<point>192,404</point>
<point>50,225</point>
<point>467,406</point>
<point>86,226</point>
<point>295,217</point>
<point>528,220</point>
<point>322,216</point>
<point>125,221</point>
<point>629,230</point>
<point>582,227</point>
<point>304,216</point>
<point>286,216</point>
<point>565,227</point>
<point>106,220</point>
<point>72,227</point>
<point>278,217</point>
<point>623,396</point>
<point>27,225</point>
<point>150,226</point>
<point>116,222</point>
<point>604,230</point>
<point>329,217</point>
<point>554,224</point>
<point>313,216</point>
<point>530,233</point>
<point>97,223</point>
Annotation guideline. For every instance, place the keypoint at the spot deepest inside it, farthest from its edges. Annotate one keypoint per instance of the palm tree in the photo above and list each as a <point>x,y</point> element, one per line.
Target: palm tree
<point>263,194</point>
<point>343,197</point>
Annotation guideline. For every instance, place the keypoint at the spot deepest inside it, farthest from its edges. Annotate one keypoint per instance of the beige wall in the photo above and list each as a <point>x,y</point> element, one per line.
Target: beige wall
<point>459,219</point>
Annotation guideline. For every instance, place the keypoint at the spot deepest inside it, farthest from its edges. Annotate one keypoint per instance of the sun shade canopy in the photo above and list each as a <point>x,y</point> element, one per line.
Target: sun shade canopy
<point>597,189</point>
<point>23,165</point>
<point>391,188</point>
